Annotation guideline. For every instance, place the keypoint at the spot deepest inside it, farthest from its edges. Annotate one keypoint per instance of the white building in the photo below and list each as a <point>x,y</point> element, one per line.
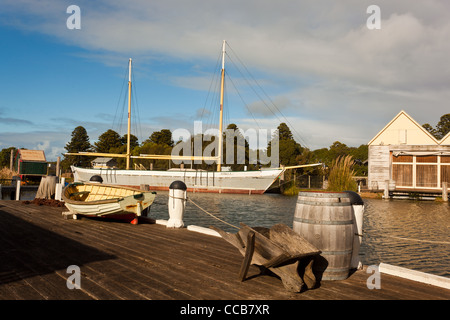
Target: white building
<point>104,163</point>
<point>409,157</point>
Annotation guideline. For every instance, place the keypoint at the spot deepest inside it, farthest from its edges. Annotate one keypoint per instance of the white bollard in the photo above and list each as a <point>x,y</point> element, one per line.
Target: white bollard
<point>18,183</point>
<point>59,189</point>
<point>358,213</point>
<point>177,204</point>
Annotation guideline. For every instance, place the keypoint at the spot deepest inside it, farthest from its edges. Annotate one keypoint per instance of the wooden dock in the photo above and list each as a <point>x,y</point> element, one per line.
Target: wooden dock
<point>148,261</point>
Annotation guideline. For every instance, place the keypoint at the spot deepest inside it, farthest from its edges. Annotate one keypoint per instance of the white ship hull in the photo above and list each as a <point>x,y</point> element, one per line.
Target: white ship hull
<point>249,182</point>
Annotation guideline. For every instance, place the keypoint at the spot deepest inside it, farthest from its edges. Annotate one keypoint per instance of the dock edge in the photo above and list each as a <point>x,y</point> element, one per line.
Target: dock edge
<point>414,275</point>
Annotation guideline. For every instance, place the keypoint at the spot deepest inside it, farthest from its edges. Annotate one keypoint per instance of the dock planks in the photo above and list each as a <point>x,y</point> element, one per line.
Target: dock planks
<point>148,261</point>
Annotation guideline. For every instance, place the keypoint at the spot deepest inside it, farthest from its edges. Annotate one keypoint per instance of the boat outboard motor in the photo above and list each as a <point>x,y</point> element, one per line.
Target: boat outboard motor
<point>358,212</point>
<point>96,179</point>
<point>177,204</point>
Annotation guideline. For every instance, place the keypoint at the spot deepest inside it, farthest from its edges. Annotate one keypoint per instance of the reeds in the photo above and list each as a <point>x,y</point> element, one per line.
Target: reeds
<point>341,175</point>
<point>291,189</point>
<point>6,173</point>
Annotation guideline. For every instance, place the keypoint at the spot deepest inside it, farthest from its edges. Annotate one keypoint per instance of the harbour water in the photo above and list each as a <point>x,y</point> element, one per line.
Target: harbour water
<point>410,234</point>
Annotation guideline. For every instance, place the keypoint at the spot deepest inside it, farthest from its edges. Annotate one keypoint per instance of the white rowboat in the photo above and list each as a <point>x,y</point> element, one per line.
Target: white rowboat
<point>94,199</point>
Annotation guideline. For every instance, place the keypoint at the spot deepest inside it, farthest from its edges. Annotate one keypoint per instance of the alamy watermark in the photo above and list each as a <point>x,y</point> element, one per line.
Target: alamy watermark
<point>73,281</point>
<point>74,20</point>
<point>374,281</point>
<point>374,20</point>
<point>234,142</point>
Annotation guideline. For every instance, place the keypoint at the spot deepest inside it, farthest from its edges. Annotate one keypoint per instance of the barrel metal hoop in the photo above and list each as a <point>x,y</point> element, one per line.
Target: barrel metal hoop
<point>324,204</point>
<point>323,222</point>
<point>324,195</point>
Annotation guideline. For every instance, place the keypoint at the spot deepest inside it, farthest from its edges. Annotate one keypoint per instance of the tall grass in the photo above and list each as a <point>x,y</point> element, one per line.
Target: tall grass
<point>6,174</point>
<point>341,175</point>
<point>291,189</point>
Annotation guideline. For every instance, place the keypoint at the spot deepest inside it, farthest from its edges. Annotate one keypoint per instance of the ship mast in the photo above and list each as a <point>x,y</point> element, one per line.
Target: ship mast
<point>222,85</point>
<point>129,117</point>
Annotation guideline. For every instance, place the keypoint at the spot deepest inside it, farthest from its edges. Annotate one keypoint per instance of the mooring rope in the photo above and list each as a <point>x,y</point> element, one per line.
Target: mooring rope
<point>210,214</point>
<point>418,240</point>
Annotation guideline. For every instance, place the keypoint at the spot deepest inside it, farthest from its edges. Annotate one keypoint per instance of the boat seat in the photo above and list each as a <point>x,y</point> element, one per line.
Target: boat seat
<point>82,195</point>
<point>78,193</point>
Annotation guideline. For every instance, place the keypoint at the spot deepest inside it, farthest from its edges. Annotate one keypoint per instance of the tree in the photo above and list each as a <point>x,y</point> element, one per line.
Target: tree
<point>78,143</point>
<point>162,137</point>
<point>5,156</point>
<point>133,141</point>
<point>239,157</point>
<point>338,149</point>
<point>107,141</point>
<point>152,148</point>
<point>430,129</point>
<point>442,128</point>
<point>360,155</point>
<point>289,149</point>
<point>284,133</point>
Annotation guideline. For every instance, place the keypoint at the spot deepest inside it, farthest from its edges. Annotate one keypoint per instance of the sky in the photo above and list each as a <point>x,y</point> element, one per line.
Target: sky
<point>329,73</point>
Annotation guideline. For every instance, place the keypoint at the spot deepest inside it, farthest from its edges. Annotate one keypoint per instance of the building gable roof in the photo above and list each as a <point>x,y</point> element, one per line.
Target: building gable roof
<point>102,160</point>
<point>32,155</point>
<point>403,130</point>
<point>445,141</point>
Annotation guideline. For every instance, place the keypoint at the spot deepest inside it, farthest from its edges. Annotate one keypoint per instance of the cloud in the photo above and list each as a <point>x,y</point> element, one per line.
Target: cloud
<point>331,75</point>
<point>14,121</point>
<point>10,121</point>
<point>51,142</point>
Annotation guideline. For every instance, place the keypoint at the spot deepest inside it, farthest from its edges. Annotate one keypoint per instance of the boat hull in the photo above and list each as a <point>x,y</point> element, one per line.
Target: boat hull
<point>125,203</point>
<point>247,182</point>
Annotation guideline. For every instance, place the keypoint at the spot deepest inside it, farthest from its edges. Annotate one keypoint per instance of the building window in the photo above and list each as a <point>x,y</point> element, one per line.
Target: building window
<point>418,171</point>
<point>445,169</point>
<point>445,159</point>
<point>429,159</point>
<point>402,174</point>
<point>402,159</point>
<point>426,176</point>
<point>402,170</point>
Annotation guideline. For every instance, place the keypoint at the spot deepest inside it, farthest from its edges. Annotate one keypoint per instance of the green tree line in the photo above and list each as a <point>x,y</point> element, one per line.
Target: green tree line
<point>161,142</point>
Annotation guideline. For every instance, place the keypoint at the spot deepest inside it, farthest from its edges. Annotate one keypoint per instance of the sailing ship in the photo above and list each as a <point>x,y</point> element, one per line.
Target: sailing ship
<point>220,181</point>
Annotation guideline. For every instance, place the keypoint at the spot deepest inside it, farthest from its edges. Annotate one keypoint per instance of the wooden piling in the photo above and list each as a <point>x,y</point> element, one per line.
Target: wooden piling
<point>386,190</point>
<point>11,160</point>
<point>18,182</point>
<point>58,162</point>
<point>444,191</point>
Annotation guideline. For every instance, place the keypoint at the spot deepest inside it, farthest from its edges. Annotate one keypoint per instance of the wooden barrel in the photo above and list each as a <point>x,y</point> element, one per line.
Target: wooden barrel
<point>325,219</point>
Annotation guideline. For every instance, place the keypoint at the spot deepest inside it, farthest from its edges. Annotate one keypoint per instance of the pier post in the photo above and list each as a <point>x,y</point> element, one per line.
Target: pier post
<point>59,188</point>
<point>177,204</point>
<point>18,189</point>
<point>386,190</point>
<point>444,191</point>
<point>11,161</point>
<point>58,162</point>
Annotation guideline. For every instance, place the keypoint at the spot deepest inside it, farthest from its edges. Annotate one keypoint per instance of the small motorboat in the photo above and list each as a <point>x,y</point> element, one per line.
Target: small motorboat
<point>100,200</point>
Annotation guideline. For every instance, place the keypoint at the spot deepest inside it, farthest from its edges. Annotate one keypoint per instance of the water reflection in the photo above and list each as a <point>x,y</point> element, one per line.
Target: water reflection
<point>411,234</point>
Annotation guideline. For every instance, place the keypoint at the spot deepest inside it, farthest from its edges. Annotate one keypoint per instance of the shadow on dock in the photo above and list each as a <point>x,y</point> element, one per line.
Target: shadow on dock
<point>27,250</point>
